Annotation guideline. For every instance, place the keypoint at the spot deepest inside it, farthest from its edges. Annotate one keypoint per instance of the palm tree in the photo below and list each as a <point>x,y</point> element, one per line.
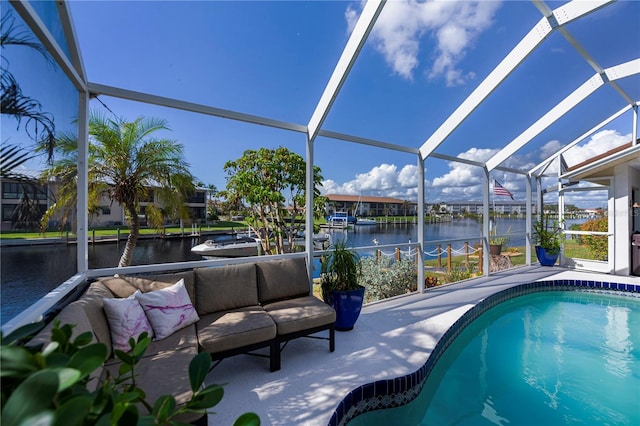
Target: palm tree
<point>125,162</point>
<point>38,125</point>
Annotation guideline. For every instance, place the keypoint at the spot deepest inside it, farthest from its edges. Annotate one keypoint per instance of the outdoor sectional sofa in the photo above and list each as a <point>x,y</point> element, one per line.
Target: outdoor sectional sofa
<point>240,308</point>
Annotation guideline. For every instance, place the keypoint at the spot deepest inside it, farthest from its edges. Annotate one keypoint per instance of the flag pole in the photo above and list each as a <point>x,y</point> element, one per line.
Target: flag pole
<point>493,197</point>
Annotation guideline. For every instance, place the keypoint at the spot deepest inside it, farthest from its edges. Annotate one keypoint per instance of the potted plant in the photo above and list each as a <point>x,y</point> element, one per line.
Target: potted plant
<point>547,240</point>
<point>496,243</point>
<point>339,273</point>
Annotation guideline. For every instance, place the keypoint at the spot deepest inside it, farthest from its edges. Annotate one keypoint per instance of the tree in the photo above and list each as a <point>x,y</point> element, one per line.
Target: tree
<point>212,209</point>
<point>27,213</point>
<point>265,179</point>
<point>125,162</point>
<point>598,244</point>
<point>38,125</point>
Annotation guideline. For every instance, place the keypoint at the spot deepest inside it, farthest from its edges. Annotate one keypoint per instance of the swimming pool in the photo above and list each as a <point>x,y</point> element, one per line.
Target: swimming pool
<point>522,356</point>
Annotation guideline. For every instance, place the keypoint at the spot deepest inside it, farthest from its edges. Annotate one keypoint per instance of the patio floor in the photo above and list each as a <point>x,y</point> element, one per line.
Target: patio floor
<point>390,339</point>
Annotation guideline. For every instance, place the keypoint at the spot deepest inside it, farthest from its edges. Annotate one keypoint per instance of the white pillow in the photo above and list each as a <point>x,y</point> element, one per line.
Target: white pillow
<point>126,319</point>
<point>169,309</point>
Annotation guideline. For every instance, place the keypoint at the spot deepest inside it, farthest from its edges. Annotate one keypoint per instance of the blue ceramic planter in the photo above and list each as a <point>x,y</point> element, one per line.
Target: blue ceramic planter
<point>348,305</point>
<point>545,258</point>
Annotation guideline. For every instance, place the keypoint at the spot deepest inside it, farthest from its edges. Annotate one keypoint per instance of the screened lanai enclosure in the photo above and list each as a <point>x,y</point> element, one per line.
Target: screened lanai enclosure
<point>427,101</point>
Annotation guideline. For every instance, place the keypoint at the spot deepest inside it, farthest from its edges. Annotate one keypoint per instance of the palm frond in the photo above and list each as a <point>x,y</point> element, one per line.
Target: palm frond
<point>11,157</point>
<point>38,125</point>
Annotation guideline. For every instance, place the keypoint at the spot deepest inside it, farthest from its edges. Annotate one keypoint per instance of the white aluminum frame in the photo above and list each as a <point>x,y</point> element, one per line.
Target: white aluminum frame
<point>551,21</point>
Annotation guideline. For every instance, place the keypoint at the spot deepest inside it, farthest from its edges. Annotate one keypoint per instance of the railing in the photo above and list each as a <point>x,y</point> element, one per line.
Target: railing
<point>68,291</point>
<point>589,263</point>
<point>444,249</point>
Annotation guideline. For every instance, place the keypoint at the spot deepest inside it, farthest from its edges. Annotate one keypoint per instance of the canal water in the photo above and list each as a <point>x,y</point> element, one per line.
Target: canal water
<point>30,272</point>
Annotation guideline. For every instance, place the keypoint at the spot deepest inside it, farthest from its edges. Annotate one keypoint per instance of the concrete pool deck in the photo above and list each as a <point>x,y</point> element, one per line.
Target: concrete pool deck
<point>391,338</point>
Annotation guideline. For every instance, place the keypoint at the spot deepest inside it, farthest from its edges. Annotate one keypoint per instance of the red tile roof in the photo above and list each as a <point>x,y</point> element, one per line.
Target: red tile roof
<point>365,199</point>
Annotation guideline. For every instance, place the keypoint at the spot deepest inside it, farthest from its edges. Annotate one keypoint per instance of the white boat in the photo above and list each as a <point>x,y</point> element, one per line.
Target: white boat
<point>336,222</point>
<point>242,245</point>
<point>237,246</point>
<point>363,221</point>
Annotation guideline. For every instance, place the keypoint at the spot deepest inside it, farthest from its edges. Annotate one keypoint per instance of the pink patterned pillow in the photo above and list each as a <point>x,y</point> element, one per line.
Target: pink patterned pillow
<point>169,309</point>
<point>126,319</point>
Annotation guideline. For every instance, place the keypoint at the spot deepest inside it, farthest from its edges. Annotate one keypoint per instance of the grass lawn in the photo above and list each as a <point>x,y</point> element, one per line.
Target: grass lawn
<point>112,231</point>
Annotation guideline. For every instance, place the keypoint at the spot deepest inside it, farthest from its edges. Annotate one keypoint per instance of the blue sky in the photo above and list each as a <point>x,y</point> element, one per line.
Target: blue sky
<point>421,61</point>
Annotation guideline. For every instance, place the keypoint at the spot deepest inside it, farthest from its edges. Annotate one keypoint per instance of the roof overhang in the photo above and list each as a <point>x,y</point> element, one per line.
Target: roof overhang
<point>600,171</point>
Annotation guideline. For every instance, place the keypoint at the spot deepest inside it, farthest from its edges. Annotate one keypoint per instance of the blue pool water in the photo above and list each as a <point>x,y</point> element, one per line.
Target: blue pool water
<point>545,358</point>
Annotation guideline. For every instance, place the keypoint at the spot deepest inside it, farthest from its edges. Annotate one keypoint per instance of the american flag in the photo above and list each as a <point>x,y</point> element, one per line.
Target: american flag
<point>501,190</point>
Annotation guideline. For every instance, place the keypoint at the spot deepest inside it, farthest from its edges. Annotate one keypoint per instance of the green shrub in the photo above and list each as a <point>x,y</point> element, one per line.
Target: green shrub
<point>576,227</point>
<point>456,274</point>
<point>386,278</point>
<point>598,244</point>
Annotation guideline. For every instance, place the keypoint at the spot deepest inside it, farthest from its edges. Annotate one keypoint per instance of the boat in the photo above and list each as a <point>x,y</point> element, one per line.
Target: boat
<point>336,222</point>
<point>246,244</point>
<point>228,246</point>
<point>358,211</point>
<point>339,220</point>
<point>341,216</point>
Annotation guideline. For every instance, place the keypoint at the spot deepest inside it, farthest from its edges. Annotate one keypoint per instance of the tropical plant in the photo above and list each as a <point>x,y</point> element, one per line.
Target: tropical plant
<point>456,274</point>
<point>127,164</point>
<point>38,125</point>
<point>547,234</point>
<point>47,384</point>
<point>340,270</point>
<point>384,278</point>
<point>27,213</point>
<point>265,179</point>
<point>598,244</point>
<point>499,240</point>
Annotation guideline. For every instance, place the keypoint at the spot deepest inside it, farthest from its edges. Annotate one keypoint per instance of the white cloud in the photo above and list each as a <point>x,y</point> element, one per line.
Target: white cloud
<point>550,148</point>
<point>463,181</point>
<point>382,180</point>
<point>599,143</point>
<point>454,26</point>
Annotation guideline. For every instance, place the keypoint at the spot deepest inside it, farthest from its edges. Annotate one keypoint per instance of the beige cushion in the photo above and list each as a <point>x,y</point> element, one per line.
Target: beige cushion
<point>301,313</point>
<point>225,287</point>
<point>92,302</point>
<point>223,331</point>
<point>187,276</point>
<point>118,286</point>
<point>125,286</point>
<point>183,338</point>
<point>282,279</point>
<point>99,290</point>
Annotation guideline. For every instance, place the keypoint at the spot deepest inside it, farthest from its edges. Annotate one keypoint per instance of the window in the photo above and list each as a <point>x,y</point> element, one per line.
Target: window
<point>11,190</point>
<point>198,197</point>
<point>14,191</point>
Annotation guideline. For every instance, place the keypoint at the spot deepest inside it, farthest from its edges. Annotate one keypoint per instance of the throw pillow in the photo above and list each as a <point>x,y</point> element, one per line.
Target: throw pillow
<point>169,309</point>
<point>126,320</point>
